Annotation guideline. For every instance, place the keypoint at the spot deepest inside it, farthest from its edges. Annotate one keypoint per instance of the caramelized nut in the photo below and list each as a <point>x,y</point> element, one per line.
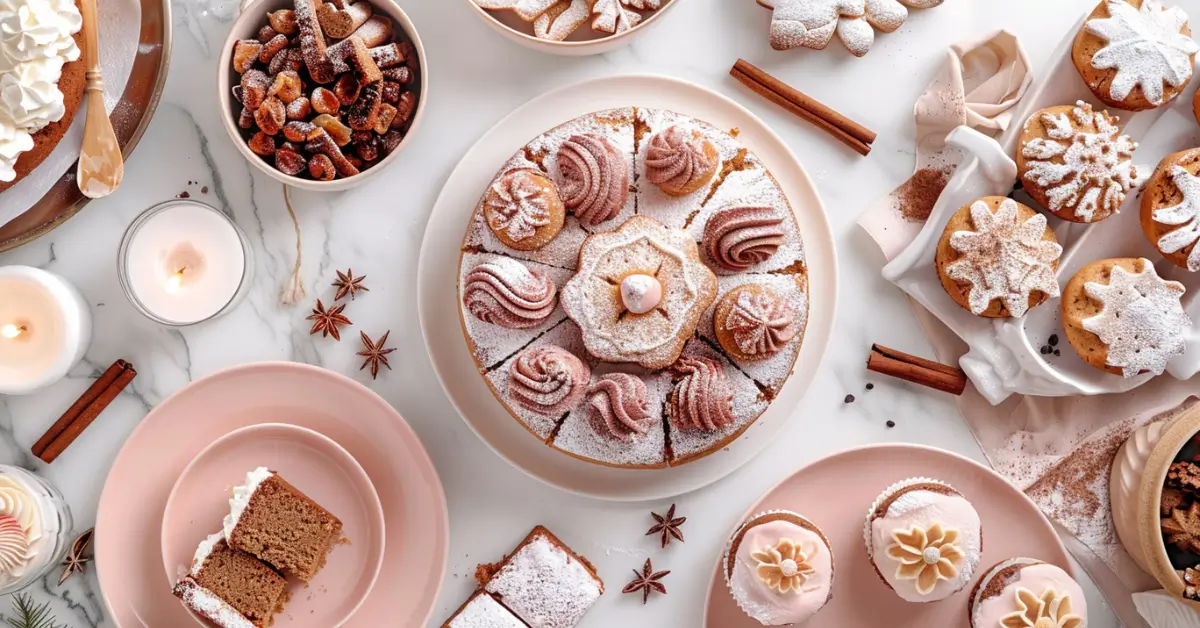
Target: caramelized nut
<point>334,127</point>
<point>347,89</point>
<point>271,116</point>
<point>325,145</point>
<point>298,109</point>
<point>391,92</point>
<point>354,162</point>
<point>246,119</point>
<point>245,53</point>
<point>272,48</point>
<point>289,162</point>
<point>402,75</point>
<point>364,113</point>
<point>262,144</point>
<point>284,21</point>
<point>287,86</point>
<point>287,59</point>
<point>300,131</point>
<point>321,167</point>
<point>266,33</point>
<point>383,121</point>
<point>254,88</point>
<point>286,145</point>
<point>404,109</point>
<point>390,141</point>
<point>365,145</point>
<point>325,101</point>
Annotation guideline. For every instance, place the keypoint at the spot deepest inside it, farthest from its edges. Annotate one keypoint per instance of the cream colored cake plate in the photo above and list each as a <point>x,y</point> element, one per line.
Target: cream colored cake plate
<point>437,290</point>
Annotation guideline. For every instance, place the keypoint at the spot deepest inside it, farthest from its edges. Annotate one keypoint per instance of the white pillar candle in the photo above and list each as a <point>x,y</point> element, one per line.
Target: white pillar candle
<point>183,262</point>
<point>45,328</point>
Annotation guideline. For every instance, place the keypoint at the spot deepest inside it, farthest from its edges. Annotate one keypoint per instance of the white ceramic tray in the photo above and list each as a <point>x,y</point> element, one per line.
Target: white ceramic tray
<point>1004,356</point>
<point>438,295</point>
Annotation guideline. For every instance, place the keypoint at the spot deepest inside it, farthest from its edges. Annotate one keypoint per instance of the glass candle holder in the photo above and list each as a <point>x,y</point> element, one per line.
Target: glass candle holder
<point>45,329</point>
<point>183,262</point>
<point>43,526</point>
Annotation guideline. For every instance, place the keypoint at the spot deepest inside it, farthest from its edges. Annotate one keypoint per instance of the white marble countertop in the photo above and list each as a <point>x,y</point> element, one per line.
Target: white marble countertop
<point>477,77</point>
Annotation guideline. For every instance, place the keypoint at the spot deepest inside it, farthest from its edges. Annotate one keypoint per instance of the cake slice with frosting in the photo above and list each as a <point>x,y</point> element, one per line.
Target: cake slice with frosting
<point>230,588</point>
<point>279,524</point>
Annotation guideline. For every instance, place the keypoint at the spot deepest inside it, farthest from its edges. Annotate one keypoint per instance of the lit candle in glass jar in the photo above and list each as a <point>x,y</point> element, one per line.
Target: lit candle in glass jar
<point>184,262</point>
<point>45,328</point>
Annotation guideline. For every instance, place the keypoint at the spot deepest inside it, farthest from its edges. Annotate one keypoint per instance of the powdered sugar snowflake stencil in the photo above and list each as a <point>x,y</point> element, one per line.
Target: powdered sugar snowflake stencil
<point>519,206</point>
<point>1004,258</point>
<point>1081,169</point>
<point>1186,214</point>
<point>1145,46</point>
<point>1141,319</point>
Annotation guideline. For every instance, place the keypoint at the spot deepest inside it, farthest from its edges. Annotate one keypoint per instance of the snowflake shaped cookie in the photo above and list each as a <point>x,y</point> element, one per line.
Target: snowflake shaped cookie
<point>617,16</point>
<point>1145,47</point>
<point>812,23</point>
<point>1141,319</point>
<point>1085,164</point>
<point>1004,258</point>
<point>1186,215</point>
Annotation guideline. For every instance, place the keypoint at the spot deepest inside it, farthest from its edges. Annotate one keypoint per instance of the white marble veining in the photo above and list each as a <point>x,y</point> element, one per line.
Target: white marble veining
<point>477,77</point>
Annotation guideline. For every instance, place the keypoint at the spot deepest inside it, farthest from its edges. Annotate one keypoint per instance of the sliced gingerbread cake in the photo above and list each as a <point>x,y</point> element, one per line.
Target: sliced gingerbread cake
<point>231,588</point>
<point>543,582</point>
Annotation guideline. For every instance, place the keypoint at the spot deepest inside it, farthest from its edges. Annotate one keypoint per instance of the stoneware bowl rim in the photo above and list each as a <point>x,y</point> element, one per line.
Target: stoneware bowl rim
<point>574,48</point>
<point>1149,522</point>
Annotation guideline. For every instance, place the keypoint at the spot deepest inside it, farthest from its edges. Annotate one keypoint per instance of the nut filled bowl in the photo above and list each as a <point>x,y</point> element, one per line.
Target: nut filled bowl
<point>322,96</point>
<point>573,28</point>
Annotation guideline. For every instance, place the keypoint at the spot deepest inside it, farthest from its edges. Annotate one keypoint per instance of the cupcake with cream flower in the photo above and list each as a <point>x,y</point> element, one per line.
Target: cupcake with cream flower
<point>779,568</point>
<point>1027,593</point>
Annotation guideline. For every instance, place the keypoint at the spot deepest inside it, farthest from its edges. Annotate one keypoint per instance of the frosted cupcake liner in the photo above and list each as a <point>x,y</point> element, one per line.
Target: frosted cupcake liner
<point>981,586</point>
<point>886,495</point>
<point>754,520</point>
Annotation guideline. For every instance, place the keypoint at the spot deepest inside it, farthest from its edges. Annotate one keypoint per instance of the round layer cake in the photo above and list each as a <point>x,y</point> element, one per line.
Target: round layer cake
<point>663,317</point>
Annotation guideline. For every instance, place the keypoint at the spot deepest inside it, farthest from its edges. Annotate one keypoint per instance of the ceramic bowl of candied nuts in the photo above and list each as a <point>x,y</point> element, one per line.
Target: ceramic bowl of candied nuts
<point>320,94</point>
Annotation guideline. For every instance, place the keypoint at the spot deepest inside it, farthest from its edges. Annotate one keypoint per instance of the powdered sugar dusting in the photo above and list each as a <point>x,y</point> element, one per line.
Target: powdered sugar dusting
<point>754,186</point>
<point>614,125</point>
<point>748,405</point>
<point>493,343</point>
<point>564,335</point>
<point>772,372</point>
<point>674,211</point>
<point>577,435</point>
<point>1145,46</point>
<point>484,612</point>
<point>1142,320</point>
<point>1185,215</point>
<point>545,586</point>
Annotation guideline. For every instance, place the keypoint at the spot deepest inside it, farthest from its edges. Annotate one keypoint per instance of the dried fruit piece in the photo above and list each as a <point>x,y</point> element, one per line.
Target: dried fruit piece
<point>402,75</point>
<point>287,86</point>
<point>365,111</point>
<point>321,168</point>
<point>284,21</point>
<point>334,127</point>
<point>254,88</point>
<point>404,109</point>
<point>383,121</point>
<point>286,145</point>
<point>390,91</point>
<point>365,145</point>
<point>246,119</point>
<point>347,89</point>
<point>245,53</point>
<point>299,109</point>
<point>325,101</point>
<point>391,140</point>
<point>289,59</point>
<point>272,48</point>
<point>340,22</point>
<point>266,33</point>
<point>271,115</point>
<point>325,145</point>
<point>289,162</point>
<point>299,131</point>
<point>262,144</point>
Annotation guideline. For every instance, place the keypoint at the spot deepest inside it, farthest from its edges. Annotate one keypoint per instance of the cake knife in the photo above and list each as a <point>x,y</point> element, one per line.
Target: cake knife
<point>101,165</point>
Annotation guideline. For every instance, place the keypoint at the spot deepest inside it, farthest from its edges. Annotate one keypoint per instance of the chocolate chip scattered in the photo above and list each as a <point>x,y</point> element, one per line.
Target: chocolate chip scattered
<point>891,424</point>
<point>1053,340</point>
<point>849,399</point>
<point>183,194</point>
<point>870,386</point>
<point>1057,352</point>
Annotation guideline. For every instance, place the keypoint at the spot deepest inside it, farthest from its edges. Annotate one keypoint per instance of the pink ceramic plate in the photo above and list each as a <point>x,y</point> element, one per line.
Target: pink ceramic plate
<point>128,524</point>
<point>312,463</point>
<point>836,492</point>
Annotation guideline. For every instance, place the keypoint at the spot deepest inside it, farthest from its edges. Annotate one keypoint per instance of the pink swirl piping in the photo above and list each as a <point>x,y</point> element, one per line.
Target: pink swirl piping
<point>619,407</point>
<point>595,179</point>
<point>675,159</point>
<point>548,380</point>
<point>740,237</point>
<point>703,397</point>
<point>505,292</point>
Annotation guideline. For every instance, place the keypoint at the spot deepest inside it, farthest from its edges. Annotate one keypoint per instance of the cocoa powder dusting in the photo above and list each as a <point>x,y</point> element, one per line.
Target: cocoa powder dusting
<point>916,197</point>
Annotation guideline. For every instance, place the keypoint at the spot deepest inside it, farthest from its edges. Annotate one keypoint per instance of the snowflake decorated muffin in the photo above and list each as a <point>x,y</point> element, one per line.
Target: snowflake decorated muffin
<point>1135,54</point>
<point>1171,209</point>
<point>779,568</point>
<point>1075,162</point>
<point>924,539</point>
<point>1121,317</point>
<point>998,258</point>
<point>1027,593</point>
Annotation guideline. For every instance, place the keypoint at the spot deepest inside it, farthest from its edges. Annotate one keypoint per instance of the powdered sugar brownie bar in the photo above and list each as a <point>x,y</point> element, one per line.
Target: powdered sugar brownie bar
<point>481,610</point>
<point>543,582</point>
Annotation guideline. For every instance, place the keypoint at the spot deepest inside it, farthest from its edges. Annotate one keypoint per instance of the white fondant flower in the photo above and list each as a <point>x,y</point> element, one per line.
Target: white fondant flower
<point>1141,319</point>
<point>1145,46</point>
<point>926,556</point>
<point>784,567</point>
<point>1050,610</point>
<point>1186,214</point>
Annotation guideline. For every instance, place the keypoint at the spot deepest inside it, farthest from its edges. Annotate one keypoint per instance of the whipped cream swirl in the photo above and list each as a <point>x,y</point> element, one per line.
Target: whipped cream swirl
<point>619,406</point>
<point>35,42</point>
<point>703,397</point>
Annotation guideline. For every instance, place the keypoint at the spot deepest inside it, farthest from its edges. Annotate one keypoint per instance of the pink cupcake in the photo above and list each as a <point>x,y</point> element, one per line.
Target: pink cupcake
<point>779,568</point>
<point>1027,592</point>
<point>924,539</point>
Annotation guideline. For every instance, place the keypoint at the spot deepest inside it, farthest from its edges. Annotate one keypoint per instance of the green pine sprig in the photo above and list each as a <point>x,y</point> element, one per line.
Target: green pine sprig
<point>27,615</point>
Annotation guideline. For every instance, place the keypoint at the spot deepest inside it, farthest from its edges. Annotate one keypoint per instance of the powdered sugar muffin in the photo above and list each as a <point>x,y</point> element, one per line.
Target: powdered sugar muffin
<point>779,568</point>
<point>664,214</point>
<point>924,539</point>
<point>1171,209</point>
<point>1027,592</point>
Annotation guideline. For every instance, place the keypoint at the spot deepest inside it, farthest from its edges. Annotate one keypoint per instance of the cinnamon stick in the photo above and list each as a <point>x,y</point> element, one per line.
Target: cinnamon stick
<point>80,415</point>
<point>917,370</point>
<point>849,132</point>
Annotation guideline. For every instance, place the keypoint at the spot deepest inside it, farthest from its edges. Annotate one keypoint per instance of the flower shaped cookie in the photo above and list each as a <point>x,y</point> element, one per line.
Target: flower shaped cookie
<point>1051,610</point>
<point>785,567</point>
<point>651,334</point>
<point>926,556</point>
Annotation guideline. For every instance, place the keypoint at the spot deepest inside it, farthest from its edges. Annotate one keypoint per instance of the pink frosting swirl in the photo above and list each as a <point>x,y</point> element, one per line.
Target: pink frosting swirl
<point>740,237</point>
<point>703,397</point>
<point>505,292</point>
<point>676,159</point>
<point>619,407</point>
<point>595,179</point>
<point>548,380</point>
<point>760,322</point>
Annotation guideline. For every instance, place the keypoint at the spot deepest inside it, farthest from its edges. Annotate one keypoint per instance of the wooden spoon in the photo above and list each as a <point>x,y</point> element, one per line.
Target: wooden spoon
<point>101,165</point>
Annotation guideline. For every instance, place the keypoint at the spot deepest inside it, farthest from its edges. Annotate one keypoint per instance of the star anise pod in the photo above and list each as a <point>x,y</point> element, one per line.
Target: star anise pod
<point>348,285</point>
<point>328,321</point>
<point>75,561</point>
<point>667,526</point>
<point>645,581</point>
<point>374,353</point>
